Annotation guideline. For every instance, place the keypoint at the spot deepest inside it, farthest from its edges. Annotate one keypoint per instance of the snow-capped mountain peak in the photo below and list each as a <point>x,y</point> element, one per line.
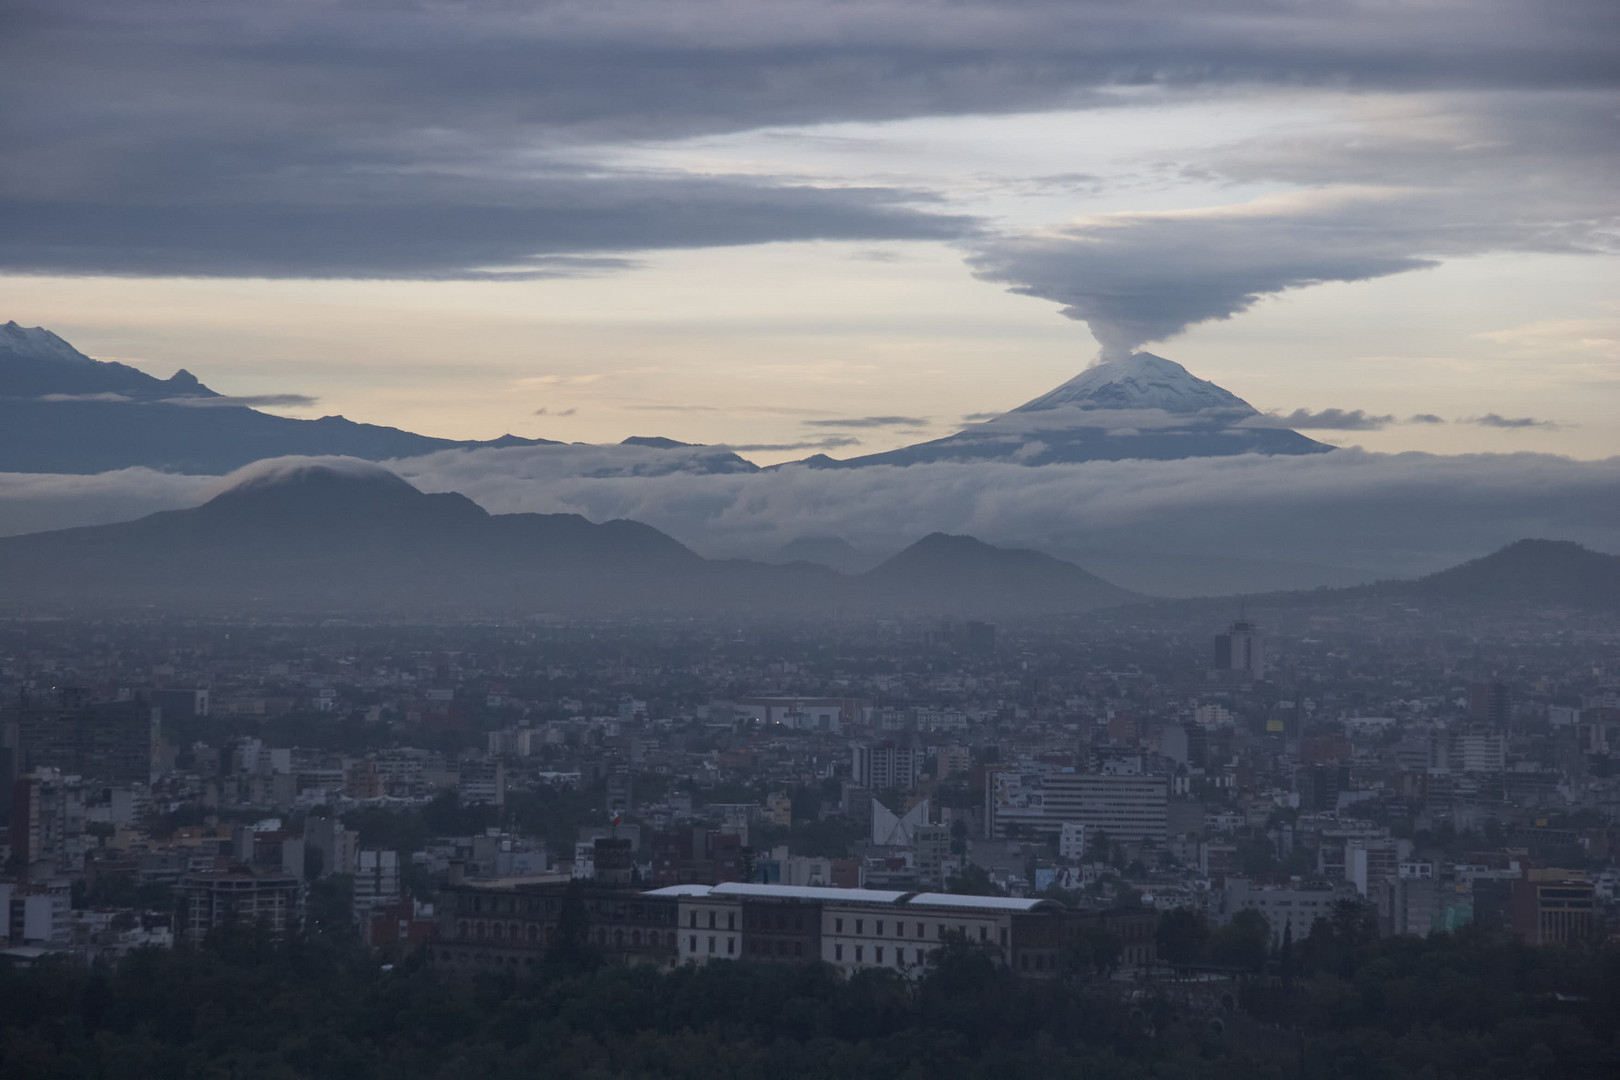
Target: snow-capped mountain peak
<point>38,343</point>
<point>1140,381</point>
<point>1141,407</point>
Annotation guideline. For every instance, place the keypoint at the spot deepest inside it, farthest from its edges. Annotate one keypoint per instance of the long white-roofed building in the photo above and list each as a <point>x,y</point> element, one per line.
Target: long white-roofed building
<point>856,929</point>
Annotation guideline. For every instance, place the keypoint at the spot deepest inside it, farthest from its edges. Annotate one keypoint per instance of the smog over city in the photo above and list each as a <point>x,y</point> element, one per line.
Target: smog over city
<point>810,538</point>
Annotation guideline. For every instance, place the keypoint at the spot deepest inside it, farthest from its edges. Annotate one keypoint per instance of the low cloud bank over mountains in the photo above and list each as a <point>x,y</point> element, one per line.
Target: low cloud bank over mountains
<point>311,535</point>
<point>1196,526</point>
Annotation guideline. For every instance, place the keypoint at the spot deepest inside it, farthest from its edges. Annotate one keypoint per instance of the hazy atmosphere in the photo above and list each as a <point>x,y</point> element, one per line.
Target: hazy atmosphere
<point>810,539</point>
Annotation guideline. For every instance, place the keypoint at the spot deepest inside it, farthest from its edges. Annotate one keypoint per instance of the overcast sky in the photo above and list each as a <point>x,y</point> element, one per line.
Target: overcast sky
<point>829,224</point>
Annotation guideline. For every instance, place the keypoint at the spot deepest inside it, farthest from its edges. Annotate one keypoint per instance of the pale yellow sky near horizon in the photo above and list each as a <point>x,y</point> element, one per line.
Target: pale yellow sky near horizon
<point>742,345</point>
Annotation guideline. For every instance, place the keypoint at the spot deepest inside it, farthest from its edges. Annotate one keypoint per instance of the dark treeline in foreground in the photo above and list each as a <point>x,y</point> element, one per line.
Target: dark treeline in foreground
<point>1466,1005</point>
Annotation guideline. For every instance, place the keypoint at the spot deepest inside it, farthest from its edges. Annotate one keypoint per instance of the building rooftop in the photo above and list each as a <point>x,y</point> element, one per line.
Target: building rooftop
<point>784,892</point>
<point>519,881</point>
<point>681,890</point>
<point>984,903</point>
<point>890,897</point>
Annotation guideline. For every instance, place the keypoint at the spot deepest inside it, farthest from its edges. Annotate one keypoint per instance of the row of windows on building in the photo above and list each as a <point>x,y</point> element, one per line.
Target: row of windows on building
<point>796,922</point>
<point>777,947</point>
<point>731,921</point>
<point>878,953</point>
<point>942,930</point>
<point>509,905</point>
<point>516,934</point>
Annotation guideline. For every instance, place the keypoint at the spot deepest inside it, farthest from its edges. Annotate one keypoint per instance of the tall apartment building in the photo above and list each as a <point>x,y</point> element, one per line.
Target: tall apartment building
<point>47,823</point>
<point>483,782</point>
<point>1319,787</point>
<point>620,792</point>
<point>339,847</point>
<point>216,898</point>
<point>885,765</point>
<point>1241,651</point>
<point>1186,744</point>
<point>1128,808</point>
<point>376,881</point>
<point>1421,901</point>
<point>1210,717</point>
<point>952,760</point>
<point>1490,703</point>
<point>110,742</point>
<point>1370,863</point>
<point>36,913</point>
<point>932,845</point>
<point>1014,802</point>
<point>1476,751</point>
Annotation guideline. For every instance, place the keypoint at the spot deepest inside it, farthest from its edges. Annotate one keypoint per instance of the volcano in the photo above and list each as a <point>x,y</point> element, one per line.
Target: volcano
<point>1143,406</point>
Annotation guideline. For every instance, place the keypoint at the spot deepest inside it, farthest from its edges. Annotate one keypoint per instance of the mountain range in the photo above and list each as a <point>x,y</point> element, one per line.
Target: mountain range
<point>64,412</point>
<point>1523,579</point>
<point>1532,574</point>
<point>350,537</point>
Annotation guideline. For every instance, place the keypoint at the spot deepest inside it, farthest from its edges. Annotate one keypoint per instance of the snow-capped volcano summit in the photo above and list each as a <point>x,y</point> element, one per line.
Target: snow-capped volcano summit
<point>35,363</point>
<point>38,343</point>
<point>1143,406</point>
<point>1140,381</point>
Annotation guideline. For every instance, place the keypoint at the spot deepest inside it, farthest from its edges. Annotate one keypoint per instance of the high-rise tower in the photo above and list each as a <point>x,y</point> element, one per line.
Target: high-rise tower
<point>1241,651</point>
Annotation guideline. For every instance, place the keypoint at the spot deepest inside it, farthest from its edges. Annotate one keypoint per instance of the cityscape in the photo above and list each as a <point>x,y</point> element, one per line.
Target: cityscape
<point>809,540</point>
<point>1148,803</point>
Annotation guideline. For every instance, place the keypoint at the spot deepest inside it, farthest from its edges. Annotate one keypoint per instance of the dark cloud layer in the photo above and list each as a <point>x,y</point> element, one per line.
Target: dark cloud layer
<point>250,401</point>
<point>447,240</point>
<point>1325,420</point>
<point>383,138</point>
<point>832,442</point>
<point>871,422</point>
<point>1511,423</point>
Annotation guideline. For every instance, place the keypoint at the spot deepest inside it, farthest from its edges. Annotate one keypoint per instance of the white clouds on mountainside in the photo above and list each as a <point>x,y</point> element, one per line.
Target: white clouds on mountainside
<point>1368,514</point>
